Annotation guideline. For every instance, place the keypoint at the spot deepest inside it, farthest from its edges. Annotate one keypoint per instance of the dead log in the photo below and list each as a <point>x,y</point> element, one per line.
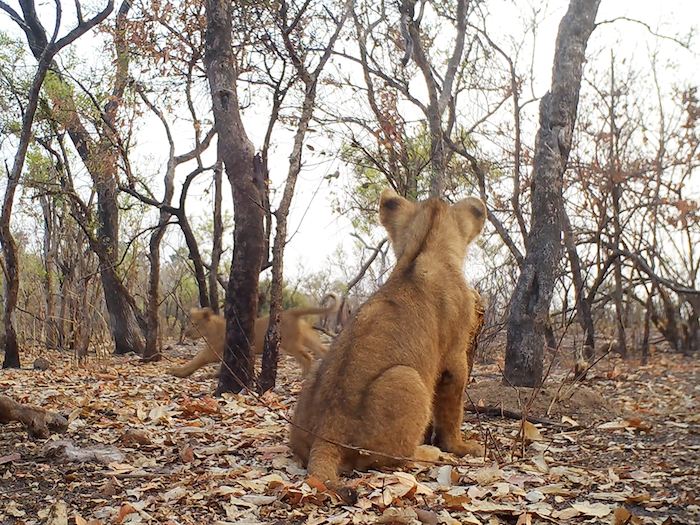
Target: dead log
<point>40,423</point>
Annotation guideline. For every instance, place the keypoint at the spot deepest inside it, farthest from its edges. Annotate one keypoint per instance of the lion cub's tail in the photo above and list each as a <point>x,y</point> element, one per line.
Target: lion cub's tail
<point>316,310</point>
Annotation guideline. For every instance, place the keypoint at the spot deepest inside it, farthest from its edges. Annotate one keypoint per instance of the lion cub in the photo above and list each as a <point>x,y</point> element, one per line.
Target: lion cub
<point>404,361</point>
<point>296,335</point>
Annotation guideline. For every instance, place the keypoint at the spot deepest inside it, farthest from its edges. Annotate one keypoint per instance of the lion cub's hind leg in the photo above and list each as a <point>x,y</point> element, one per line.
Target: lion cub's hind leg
<point>311,340</point>
<point>448,413</point>
<point>294,348</point>
<point>398,410</point>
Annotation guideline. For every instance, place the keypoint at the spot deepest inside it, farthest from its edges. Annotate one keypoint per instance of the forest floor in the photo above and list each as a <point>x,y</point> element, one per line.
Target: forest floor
<point>621,447</point>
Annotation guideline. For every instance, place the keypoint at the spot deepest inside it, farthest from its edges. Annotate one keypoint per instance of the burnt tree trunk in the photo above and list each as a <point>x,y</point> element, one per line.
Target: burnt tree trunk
<point>533,293</point>
<point>237,153</point>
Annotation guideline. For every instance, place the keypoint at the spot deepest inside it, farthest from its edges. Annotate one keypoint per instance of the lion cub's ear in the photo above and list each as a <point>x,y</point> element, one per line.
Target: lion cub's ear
<point>197,314</point>
<point>395,213</point>
<point>471,216</point>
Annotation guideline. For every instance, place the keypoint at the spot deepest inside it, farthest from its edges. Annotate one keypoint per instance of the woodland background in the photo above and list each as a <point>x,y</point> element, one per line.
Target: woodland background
<point>577,124</point>
<point>113,246</point>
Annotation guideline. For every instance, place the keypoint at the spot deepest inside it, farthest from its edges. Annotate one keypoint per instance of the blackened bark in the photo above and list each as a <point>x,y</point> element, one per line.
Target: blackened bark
<point>533,293</point>
<point>236,151</point>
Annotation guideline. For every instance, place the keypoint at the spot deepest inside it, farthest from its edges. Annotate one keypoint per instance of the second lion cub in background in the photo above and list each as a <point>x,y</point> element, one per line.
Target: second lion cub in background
<point>296,336</point>
<point>404,361</point>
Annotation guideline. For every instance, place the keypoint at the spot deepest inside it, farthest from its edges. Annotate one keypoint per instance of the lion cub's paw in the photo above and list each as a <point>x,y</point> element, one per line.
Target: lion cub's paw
<point>427,453</point>
<point>469,448</point>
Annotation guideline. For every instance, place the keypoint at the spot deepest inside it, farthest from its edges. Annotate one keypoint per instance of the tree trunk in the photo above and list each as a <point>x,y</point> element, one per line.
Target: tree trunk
<point>48,206</point>
<point>237,153</point>
<point>440,94</point>
<point>216,248</point>
<point>583,303</point>
<point>45,57</point>
<point>153,342</point>
<point>533,293</point>
<point>7,242</point>
<point>101,160</point>
<point>616,194</point>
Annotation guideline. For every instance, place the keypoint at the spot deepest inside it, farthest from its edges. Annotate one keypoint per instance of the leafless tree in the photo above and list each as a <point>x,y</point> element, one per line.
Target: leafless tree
<point>44,49</point>
<point>532,297</point>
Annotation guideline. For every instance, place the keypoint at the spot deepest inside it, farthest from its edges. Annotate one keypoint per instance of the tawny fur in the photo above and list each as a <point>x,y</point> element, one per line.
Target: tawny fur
<point>405,359</point>
<point>296,336</point>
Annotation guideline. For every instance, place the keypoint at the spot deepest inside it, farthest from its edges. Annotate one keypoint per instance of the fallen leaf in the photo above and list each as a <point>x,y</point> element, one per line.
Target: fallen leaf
<point>613,425</point>
<point>187,453</point>
<point>397,515</point>
<point>639,475</point>
<point>625,517</point>
<point>638,424</point>
<point>476,492</point>
<point>532,433</point>
<point>175,494</point>
<point>487,475</point>
<point>566,514</point>
<point>535,496</point>
<point>524,519</point>
<point>315,484</point>
<point>609,496</point>
<point>540,463</point>
<point>597,510</point>
<point>568,421</point>
<point>59,514</point>
<point>444,477</point>
<point>10,457</point>
<point>124,511</point>
<point>636,499</point>
<point>428,517</point>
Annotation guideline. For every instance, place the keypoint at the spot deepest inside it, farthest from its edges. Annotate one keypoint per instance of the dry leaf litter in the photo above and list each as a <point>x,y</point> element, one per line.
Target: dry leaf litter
<point>623,447</point>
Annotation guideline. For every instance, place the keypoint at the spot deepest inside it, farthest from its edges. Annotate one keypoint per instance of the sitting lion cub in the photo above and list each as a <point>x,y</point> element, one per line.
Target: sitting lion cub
<point>404,361</point>
<point>296,335</point>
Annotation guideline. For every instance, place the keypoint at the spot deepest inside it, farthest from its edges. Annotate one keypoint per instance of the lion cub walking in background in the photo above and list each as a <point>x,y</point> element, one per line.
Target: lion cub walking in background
<point>404,361</point>
<point>296,335</point>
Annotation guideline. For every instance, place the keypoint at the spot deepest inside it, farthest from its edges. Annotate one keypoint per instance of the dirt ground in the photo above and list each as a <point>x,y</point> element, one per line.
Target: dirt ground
<point>143,447</point>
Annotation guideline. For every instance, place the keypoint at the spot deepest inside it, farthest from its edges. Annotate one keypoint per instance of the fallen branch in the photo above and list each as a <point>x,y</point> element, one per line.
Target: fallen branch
<point>512,414</point>
<point>40,423</point>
